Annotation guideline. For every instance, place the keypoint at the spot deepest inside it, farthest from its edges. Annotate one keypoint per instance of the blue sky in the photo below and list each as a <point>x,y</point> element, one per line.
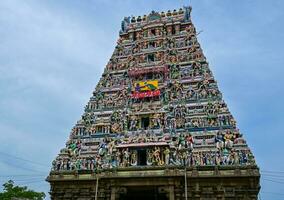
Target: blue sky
<point>52,53</point>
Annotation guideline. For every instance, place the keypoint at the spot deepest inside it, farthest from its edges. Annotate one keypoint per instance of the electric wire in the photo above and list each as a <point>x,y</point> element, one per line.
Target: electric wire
<point>23,159</point>
<point>272,175</point>
<point>271,171</point>
<point>30,182</point>
<point>274,181</point>
<point>25,168</point>
<point>274,193</point>
<point>27,179</point>
<point>23,175</point>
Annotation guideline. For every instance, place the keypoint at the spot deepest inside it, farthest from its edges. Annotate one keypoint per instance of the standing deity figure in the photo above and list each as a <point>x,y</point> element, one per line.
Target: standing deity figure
<point>187,13</point>
<point>173,125</point>
<point>167,155</point>
<point>183,156</point>
<point>189,141</point>
<point>149,157</point>
<point>124,24</point>
<point>118,158</point>
<point>181,141</point>
<point>54,165</point>
<point>126,158</point>
<point>156,121</point>
<point>133,124</point>
<point>157,157</point>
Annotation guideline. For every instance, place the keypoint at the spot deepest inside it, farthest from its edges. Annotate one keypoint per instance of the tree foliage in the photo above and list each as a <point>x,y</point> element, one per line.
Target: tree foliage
<point>11,191</point>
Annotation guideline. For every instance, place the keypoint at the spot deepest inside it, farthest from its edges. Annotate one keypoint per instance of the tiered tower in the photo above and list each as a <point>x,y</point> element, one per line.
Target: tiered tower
<point>156,126</point>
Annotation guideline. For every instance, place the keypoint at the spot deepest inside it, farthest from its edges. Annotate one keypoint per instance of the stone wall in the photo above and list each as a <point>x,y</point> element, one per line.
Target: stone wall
<point>204,183</point>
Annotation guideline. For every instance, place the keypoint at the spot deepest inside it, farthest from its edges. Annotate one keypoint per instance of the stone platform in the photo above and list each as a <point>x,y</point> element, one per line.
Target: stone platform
<point>206,182</point>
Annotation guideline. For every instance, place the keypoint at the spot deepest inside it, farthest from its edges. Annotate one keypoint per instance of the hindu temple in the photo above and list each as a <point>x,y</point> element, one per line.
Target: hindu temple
<point>156,126</point>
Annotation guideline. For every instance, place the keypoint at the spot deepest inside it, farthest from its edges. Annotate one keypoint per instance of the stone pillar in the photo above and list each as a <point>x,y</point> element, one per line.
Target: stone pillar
<point>171,193</point>
<point>113,193</point>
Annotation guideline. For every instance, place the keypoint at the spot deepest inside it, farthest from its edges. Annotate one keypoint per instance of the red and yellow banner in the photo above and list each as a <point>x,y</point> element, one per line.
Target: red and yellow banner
<point>143,86</point>
<point>144,89</point>
<point>139,95</point>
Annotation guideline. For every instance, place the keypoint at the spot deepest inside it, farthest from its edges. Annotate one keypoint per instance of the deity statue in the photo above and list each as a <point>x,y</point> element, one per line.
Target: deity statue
<point>228,137</point>
<point>189,141</point>
<point>126,156</point>
<point>124,24</point>
<point>187,13</point>
<point>133,123</point>
<point>167,155</point>
<point>157,158</point>
<point>219,139</point>
<point>150,157</point>
<point>133,158</point>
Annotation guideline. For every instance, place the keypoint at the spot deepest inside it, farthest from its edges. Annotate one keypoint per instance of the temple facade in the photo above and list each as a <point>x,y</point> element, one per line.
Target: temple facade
<point>156,126</point>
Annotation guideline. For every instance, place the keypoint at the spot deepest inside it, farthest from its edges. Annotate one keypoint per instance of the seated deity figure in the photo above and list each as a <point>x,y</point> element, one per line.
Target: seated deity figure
<point>156,121</point>
<point>195,122</point>
<point>251,159</point>
<point>174,158</point>
<point>133,158</point>
<point>102,149</point>
<point>219,140</point>
<point>228,139</point>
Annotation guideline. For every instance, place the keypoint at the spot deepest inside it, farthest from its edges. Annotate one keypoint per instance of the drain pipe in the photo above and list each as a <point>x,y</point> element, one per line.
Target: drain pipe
<point>185,183</point>
<point>97,186</point>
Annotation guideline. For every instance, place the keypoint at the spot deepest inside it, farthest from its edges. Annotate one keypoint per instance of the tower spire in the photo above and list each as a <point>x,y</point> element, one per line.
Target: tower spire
<point>156,109</point>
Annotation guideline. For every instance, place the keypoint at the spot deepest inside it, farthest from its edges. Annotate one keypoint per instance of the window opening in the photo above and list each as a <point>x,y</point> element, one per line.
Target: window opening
<point>151,58</point>
<point>153,31</point>
<point>151,44</point>
<point>145,122</point>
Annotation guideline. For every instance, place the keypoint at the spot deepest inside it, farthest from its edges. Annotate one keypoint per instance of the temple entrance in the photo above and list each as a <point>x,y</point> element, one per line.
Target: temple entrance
<point>141,157</point>
<point>145,122</point>
<point>143,193</point>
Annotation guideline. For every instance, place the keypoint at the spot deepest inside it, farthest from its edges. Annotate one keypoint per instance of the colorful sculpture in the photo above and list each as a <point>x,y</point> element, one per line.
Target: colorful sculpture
<point>156,104</point>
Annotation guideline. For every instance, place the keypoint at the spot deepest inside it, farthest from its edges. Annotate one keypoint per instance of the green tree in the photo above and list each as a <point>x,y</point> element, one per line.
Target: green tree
<point>11,191</point>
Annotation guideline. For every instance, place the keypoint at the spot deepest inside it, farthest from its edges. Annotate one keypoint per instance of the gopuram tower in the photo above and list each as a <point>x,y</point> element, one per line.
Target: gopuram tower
<point>156,126</point>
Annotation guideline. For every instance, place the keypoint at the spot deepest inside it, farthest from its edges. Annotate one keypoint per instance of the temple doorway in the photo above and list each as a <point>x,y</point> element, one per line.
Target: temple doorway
<point>142,158</point>
<point>143,193</point>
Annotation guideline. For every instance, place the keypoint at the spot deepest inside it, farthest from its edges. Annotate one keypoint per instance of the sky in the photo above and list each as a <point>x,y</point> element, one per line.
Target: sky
<point>52,54</point>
